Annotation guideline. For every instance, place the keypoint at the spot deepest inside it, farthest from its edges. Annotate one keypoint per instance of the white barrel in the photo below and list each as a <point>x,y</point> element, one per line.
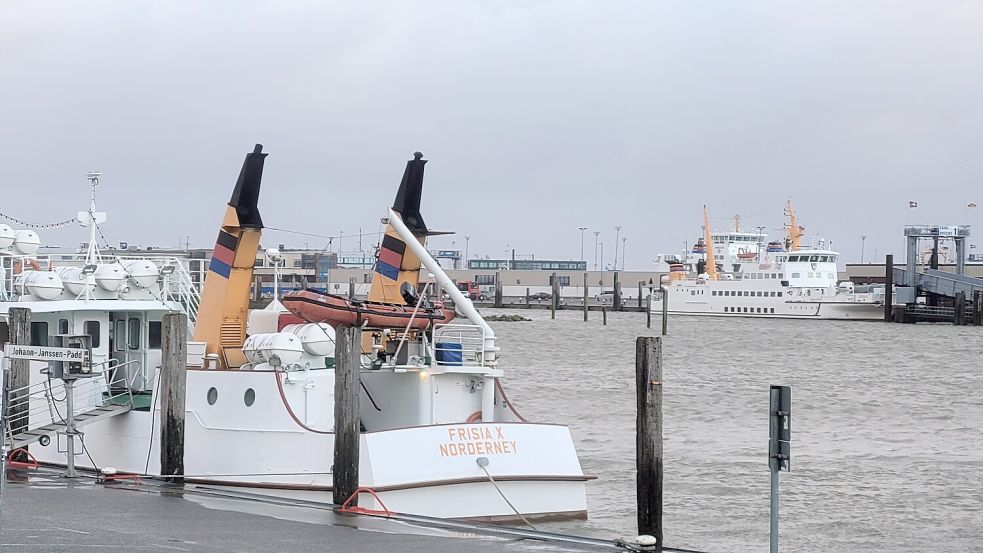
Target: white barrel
<point>45,285</point>
<point>26,242</point>
<point>142,272</point>
<point>276,348</point>
<point>316,338</point>
<point>74,281</point>
<point>6,237</point>
<point>110,277</point>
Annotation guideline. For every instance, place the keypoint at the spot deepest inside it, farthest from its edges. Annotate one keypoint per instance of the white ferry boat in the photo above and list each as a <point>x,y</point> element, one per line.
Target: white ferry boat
<point>796,284</point>
<point>260,404</point>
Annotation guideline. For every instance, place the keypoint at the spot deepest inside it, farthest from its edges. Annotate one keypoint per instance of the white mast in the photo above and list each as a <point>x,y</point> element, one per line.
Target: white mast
<point>91,219</point>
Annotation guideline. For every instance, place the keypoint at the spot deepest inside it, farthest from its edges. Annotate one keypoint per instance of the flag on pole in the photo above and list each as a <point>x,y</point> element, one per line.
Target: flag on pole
<point>971,205</point>
<point>912,204</point>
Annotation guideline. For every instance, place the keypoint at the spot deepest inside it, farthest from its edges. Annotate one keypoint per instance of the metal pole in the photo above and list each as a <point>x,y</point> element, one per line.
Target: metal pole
<point>774,511</point>
<point>665,311</point>
<point>70,471</point>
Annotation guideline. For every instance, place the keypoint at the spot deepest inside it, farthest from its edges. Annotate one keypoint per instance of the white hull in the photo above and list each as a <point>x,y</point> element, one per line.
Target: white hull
<point>424,470</point>
<point>728,299</point>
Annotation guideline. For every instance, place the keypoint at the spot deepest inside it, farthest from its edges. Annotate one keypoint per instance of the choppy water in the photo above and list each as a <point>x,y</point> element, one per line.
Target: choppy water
<point>887,444</point>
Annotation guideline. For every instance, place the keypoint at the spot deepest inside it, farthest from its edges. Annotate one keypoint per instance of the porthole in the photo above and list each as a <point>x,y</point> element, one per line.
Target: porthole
<point>249,397</point>
<point>212,396</point>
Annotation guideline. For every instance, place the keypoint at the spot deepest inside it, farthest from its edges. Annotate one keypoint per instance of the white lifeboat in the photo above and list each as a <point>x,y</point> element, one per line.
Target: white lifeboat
<point>110,277</point>
<point>6,237</point>
<point>316,338</point>
<point>26,242</point>
<point>142,272</point>
<point>276,348</point>
<point>45,285</point>
<point>75,282</point>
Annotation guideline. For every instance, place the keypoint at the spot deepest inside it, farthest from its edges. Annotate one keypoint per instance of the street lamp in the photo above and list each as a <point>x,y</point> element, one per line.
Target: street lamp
<point>617,233</point>
<point>596,234</point>
<point>467,245</point>
<point>624,252</point>
<point>863,241</point>
<point>582,229</point>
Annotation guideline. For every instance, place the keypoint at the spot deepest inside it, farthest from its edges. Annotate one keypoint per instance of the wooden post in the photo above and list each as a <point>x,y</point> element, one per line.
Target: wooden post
<point>648,436</point>
<point>978,307</point>
<point>351,288</point>
<point>648,311</point>
<point>889,286</point>
<point>604,315</point>
<point>617,291</point>
<point>173,380</point>
<point>498,290</point>
<point>959,309</point>
<point>346,421</point>
<point>585,297</point>
<point>555,296</point>
<point>665,311</point>
<point>527,299</point>
<point>19,323</point>
<point>639,294</point>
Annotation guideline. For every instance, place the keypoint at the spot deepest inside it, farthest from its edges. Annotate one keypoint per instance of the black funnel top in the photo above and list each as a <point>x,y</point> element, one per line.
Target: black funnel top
<point>245,197</point>
<point>407,202</point>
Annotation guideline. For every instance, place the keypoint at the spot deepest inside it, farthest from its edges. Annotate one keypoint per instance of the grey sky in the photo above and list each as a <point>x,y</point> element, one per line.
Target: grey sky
<point>537,117</point>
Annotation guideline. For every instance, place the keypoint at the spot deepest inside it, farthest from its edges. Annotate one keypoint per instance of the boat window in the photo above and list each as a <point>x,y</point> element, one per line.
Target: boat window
<point>92,329</point>
<point>772,309</point>
<point>39,334</point>
<point>153,335</point>
<point>796,275</point>
<point>133,336</point>
<point>832,276</point>
<point>4,334</point>
<point>62,326</point>
<point>249,397</point>
<point>779,294</point>
<point>119,335</point>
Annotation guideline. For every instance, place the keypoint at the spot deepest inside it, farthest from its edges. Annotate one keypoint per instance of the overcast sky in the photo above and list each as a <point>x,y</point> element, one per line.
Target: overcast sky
<point>538,117</point>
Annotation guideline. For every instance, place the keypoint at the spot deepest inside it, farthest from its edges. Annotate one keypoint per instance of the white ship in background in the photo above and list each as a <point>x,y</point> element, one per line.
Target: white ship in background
<point>751,277</point>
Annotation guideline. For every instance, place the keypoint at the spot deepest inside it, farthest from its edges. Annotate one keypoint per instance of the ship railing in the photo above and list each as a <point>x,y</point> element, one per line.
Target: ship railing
<point>458,345</point>
<point>36,405</point>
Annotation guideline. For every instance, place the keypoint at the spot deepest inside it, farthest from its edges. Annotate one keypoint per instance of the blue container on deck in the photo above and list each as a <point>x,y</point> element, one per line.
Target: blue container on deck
<point>449,353</point>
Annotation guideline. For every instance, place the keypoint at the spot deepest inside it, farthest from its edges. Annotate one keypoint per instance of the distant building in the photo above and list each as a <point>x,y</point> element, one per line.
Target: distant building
<point>526,265</point>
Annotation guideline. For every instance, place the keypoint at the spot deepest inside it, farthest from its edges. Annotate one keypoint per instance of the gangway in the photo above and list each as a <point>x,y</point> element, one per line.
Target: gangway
<point>941,283</point>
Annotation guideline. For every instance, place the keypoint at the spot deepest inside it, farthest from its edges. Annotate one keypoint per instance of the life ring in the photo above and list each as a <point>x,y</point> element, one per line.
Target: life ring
<point>19,265</point>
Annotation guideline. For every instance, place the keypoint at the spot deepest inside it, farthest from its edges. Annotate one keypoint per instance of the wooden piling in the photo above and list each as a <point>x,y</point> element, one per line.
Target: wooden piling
<point>555,295</point>
<point>527,299</point>
<point>498,290</point>
<point>648,436</point>
<point>346,420</point>
<point>19,323</point>
<point>978,307</point>
<point>665,311</point>
<point>648,311</point>
<point>959,309</point>
<point>617,291</point>
<point>604,315</point>
<point>173,382</point>
<point>889,287</point>
<point>351,288</point>
<point>586,310</point>
<point>639,294</point>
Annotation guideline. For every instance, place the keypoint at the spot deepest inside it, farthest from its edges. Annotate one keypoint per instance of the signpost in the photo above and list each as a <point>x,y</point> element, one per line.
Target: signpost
<point>779,448</point>
<point>71,361</point>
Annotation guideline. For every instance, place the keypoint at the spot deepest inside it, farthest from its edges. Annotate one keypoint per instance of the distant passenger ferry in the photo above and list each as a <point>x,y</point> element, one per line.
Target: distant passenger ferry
<point>800,283</point>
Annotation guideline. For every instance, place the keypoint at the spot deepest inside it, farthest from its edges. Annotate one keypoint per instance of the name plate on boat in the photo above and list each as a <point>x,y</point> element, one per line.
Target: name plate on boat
<point>45,353</point>
<point>477,440</point>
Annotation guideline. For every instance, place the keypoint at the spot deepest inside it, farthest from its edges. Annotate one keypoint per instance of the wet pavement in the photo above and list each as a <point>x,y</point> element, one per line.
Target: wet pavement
<point>50,514</point>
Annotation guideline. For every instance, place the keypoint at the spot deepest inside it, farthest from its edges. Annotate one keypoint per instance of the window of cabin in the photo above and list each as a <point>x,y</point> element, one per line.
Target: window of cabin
<point>153,335</point>
<point>133,333</point>
<point>119,331</point>
<point>62,326</point>
<point>39,334</point>
<point>4,334</point>
<point>92,329</point>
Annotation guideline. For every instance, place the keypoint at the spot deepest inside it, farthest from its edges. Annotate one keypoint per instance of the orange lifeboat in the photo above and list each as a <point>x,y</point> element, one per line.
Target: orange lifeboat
<point>338,310</point>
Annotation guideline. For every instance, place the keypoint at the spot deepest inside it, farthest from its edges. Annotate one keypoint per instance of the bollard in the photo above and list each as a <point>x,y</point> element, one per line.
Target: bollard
<point>604,315</point>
